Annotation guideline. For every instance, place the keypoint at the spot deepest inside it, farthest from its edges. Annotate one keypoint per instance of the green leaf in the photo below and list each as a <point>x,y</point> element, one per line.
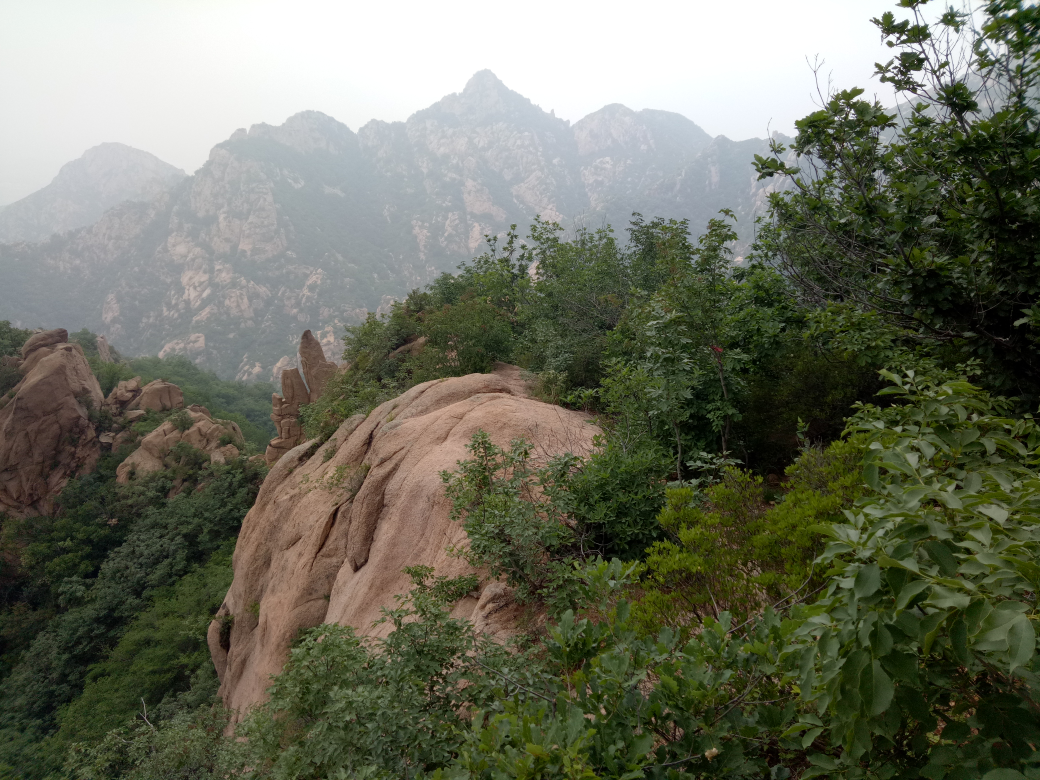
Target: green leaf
<point>909,591</point>
<point>944,598</point>
<point>810,737</point>
<point>875,687</point>
<point>1021,642</point>
<point>996,512</point>
<point>1003,774</point>
<point>868,580</point>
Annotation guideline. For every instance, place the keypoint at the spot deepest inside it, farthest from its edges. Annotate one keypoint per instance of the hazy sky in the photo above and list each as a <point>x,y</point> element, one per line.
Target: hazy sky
<point>175,77</point>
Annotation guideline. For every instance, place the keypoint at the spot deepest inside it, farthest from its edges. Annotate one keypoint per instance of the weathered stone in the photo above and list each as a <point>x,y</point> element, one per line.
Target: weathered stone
<point>123,394</point>
<point>104,352</point>
<point>333,527</point>
<point>205,434</point>
<point>46,435</point>
<point>159,396</point>
<point>316,369</point>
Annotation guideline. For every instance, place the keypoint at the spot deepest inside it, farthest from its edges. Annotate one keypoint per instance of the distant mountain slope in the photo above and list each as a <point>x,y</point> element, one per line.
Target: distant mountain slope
<point>86,188</point>
<point>309,225</point>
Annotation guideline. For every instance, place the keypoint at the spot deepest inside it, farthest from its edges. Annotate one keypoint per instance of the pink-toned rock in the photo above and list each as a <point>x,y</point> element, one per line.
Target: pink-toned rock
<point>46,435</point>
<point>301,385</point>
<point>333,526</point>
<point>204,434</point>
<point>159,396</point>
<point>122,394</point>
<point>40,345</point>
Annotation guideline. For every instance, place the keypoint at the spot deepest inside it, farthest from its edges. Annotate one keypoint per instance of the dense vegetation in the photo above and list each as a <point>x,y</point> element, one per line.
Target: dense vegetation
<point>806,546</point>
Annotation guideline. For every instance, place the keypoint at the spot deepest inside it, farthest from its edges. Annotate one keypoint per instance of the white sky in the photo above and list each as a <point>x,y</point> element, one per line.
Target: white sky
<point>175,77</point>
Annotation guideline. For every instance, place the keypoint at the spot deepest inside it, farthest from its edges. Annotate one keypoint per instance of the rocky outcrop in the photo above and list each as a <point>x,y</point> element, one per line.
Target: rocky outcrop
<point>122,395</point>
<point>46,435</point>
<point>104,350</point>
<point>333,526</point>
<point>301,385</point>
<point>199,430</point>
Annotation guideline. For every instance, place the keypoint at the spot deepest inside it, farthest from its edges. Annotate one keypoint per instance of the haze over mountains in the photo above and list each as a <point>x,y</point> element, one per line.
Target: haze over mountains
<point>310,225</point>
<point>86,188</point>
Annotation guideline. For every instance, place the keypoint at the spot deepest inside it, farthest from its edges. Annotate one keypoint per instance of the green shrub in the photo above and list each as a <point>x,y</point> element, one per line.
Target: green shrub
<point>732,550</point>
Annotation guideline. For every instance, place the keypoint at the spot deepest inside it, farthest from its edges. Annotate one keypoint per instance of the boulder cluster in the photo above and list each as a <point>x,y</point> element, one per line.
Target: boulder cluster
<point>50,423</point>
<point>301,385</point>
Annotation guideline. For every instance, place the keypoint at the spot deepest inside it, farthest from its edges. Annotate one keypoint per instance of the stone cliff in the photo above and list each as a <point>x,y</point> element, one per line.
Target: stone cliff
<point>334,526</point>
<point>311,225</point>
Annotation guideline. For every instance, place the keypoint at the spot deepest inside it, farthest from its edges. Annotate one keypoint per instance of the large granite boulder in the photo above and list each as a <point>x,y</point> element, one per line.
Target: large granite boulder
<point>333,527</point>
<point>46,435</point>
<point>158,396</point>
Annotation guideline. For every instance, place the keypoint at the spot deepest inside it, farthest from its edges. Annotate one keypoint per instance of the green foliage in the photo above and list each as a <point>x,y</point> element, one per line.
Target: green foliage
<point>930,218</point>
<point>732,550</point>
<point>381,708</point>
<point>608,702</point>
<point>11,341</point>
<point>515,518</point>
<point>466,337</point>
<point>929,615</point>
<point>163,653</point>
<point>347,393</point>
<point>164,539</point>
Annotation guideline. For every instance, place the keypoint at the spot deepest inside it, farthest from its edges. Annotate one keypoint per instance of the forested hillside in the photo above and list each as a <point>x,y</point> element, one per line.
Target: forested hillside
<point>806,543</point>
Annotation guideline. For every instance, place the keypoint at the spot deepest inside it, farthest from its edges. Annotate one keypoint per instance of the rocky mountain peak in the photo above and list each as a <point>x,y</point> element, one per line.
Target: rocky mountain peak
<point>84,189</point>
<point>485,99</point>
<point>306,132</point>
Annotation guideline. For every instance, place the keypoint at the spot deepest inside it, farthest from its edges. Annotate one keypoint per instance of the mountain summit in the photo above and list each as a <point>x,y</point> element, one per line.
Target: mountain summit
<point>86,188</point>
<point>310,225</point>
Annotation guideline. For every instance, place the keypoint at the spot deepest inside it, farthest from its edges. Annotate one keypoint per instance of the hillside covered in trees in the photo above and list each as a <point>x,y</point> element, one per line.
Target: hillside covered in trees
<point>805,545</point>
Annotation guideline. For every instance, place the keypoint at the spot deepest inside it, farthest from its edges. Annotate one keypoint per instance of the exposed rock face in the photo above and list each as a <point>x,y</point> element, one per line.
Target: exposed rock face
<point>299,386</point>
<point>328,537</point>
<point>46,435</point>
<point>104,351</point>
<point>310,225</point>
<point>158,396</point>
<point>86,188</point>
<point>123,394</point>
<point>204,434</point>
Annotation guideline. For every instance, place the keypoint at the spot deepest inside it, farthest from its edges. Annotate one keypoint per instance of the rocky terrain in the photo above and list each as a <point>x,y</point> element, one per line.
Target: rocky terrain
<point>84,189</point>
<point>310,224</point>
<point>333,526</point>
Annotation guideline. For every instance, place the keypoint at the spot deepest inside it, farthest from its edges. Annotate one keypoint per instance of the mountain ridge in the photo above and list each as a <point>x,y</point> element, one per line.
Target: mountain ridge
<point>309,224</point>
<point>101,178</point>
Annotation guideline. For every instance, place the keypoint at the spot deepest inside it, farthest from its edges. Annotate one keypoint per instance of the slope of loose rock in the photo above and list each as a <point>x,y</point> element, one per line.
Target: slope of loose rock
<point>333,527</point>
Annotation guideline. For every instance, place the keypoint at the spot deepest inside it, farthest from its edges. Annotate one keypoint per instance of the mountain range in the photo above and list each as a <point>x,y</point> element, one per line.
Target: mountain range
<point>311,225</point>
